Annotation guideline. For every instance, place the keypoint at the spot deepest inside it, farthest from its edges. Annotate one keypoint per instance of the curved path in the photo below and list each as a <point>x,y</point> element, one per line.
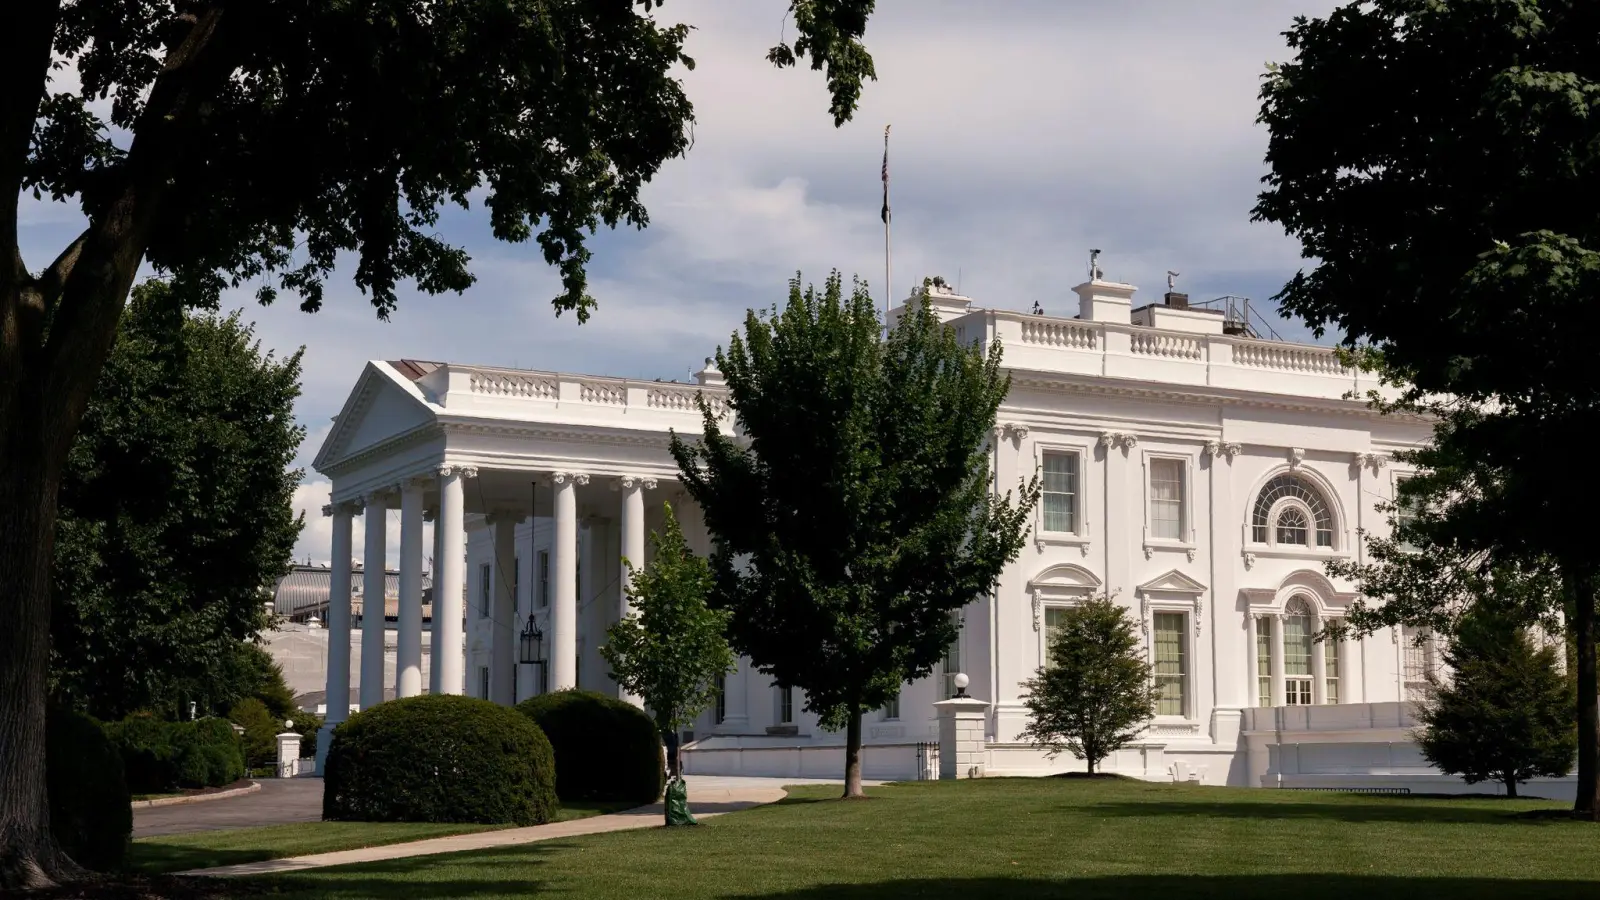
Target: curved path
<point>708,796</point>
<point>280,801</point>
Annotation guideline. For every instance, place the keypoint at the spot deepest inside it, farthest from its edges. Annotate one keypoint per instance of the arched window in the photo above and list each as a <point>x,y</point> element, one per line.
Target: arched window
<point>1297,632</point>
<point>1288,639</point>
<point>1291,512</point>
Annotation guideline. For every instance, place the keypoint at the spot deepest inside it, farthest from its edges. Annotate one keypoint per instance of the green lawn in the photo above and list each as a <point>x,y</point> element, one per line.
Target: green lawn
<point>1031,838</point>
<point>202,849</point>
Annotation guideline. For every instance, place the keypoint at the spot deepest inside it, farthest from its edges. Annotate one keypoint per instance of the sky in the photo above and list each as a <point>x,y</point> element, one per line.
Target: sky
<point>1024,133</point>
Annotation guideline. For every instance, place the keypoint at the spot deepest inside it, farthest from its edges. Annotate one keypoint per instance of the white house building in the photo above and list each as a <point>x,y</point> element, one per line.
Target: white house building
<point>1198,474</point>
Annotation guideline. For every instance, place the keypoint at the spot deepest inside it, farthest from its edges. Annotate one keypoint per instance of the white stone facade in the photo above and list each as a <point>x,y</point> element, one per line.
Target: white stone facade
<point>1201,476</point>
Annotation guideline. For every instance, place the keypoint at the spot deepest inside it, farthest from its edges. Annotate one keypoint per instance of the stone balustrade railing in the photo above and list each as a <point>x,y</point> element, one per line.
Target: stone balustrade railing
<point>482,384</point>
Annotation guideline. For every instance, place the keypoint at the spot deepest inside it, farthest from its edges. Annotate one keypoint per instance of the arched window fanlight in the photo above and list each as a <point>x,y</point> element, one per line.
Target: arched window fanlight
<point>1287,523</point>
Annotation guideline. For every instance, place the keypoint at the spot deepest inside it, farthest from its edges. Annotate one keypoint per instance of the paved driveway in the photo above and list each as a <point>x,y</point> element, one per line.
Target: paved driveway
<point>280,800</point>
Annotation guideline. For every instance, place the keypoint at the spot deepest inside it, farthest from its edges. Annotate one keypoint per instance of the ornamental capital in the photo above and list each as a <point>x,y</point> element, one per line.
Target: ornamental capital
<point>1229,449</point>
<point>624,483</point>
<point>1373,461</point>
<point>649,483</point>
<point>580,478</point>
<point>1297,455</point>
<point>1017,431</point>
<point>468,471</point>
<point>328,509</point>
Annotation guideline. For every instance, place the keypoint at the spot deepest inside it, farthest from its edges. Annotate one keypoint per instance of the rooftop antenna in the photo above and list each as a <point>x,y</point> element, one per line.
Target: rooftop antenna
<point>1094,265</point>
<point>1172,281</point>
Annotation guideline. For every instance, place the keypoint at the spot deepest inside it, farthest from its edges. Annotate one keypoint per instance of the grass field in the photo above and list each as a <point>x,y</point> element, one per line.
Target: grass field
<point>202,849</point>
<point>1031,838</point>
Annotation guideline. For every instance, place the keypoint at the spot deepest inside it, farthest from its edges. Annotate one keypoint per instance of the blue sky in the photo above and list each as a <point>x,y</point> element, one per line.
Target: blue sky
<point>1024,134</point>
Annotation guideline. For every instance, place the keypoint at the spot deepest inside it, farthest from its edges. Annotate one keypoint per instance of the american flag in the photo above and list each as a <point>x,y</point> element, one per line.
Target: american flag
<point>885,213</point>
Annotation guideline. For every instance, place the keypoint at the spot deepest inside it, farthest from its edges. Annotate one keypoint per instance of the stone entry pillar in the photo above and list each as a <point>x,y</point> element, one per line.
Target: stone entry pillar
<point>962,750</point>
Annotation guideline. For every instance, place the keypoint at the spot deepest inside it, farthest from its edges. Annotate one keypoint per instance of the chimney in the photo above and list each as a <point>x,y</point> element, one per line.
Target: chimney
<point>1105,301</point>
<point>1176,300</point>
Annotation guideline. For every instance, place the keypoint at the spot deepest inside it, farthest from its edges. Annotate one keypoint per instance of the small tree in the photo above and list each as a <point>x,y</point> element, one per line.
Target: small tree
<point>1507,712</point>
<point>671,648</point>
<point>1095,693</point>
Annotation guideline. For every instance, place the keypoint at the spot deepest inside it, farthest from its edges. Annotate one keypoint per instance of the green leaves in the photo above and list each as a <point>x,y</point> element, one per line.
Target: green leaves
<point>672,648</point>
<point>851,511</point>
<point>830,33</point>
<point>1094,695</point>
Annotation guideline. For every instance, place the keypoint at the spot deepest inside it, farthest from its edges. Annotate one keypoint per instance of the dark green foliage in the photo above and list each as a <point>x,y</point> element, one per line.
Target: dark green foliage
<point>672,648</point>
<point>161,757</point>
<point>830,32</point>
<point>440,758</point>
<point>89,812</point>
<point>1506,712</point>
<point>1427,156</point>
<point>605,748</point>
<point>182,468</point>
<point>261,730</point>
<point>1095,694</point>
<point>855,518</point>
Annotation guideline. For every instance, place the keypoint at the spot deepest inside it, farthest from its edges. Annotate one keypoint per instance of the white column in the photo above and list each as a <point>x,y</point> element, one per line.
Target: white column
<point>736,699</point>
<point>632,556</point>
<point>433,634</point>
<point>451,581</point>
<point>338,616</point>
<point>1253,660</point>
<point>1278,696</point>
<point>564,607</point>
<point>374,584</point>
<point>408,649</point>
<point>503,617</point>
<point>1319,672</point>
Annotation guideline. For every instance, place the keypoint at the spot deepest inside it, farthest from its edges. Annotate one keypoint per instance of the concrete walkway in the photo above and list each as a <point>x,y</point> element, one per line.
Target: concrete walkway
<point>709,796</point>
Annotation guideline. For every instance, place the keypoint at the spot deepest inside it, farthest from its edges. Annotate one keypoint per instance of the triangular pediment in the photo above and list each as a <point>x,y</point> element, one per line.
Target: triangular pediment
<point>1173,582</point>
<point>1065,577</point>
<point>381,407</point>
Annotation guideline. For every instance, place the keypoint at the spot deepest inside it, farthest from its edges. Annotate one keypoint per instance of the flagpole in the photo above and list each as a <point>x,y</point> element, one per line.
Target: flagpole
<point>888,287</point>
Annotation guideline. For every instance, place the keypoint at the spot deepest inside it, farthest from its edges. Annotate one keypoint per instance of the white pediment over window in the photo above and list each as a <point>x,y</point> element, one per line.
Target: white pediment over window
<point>1065,579</point>
<point>1173,582</point>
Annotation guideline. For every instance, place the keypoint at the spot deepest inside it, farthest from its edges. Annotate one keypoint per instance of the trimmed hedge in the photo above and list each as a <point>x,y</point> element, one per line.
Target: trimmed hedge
<point>440,758</point>
<point>89,812</point>
<point>606,749</point>
<point>161,757</point>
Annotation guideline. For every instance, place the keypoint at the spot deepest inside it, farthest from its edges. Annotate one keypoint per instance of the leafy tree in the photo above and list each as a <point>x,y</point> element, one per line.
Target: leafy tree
<point>1506,712</point>
<point>1095,694</point>
<point>852,514</point>
<point>672,647</point>
<point>261,729</point>
<point>1426,155</point>
<point>176,515</point>
<point>228,144</point>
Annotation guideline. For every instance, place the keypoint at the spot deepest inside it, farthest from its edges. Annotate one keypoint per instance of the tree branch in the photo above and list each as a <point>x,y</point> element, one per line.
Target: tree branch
<point>24,69</point>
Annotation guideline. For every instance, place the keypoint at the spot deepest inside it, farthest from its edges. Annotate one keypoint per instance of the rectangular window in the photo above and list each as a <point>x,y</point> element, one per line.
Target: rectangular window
<point>722,699</point>
<point>891,710</point>
<point>1297,649</point>
<point>483,682</point>
<point>1419,662</point>
<point>1406,512</point>
<point>1170,678</point>
<point>1053,617</point>
<point>1166,499</point>
<point>544,578</point>
<point>1263,661</point>
<point>1060,492</point>
<point>485,587</point>
<point>1330,669</point>
<point>951,664</point>
<point>785,706</point>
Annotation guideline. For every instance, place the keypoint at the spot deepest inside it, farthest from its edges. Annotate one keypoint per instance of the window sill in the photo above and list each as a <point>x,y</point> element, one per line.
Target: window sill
<point>1042,540</point>
<point>1252,552</point>
<point>1186,547</point>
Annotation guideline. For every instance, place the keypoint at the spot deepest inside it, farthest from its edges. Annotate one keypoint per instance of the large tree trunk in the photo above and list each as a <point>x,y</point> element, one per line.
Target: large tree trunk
<point>852,756</point>
<point>1580,576</point>
<point>1511,785</point>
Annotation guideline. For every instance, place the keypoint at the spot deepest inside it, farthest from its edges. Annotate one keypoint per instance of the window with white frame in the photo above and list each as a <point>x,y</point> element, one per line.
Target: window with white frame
<point>1290,511</point>
<point>891,710</point>
<point>1170,665</point>
<point>485,589</point>
<point>1330,671</point>
<point>950,666</point>
<point>1297,647</point>
<point>1059,491</point>
<point>1406,511</point>
<point>785,713</point>
<point>483,682</point>
<point>1263,660</point>
<point>544,578</point>
<point>1420,662</point>
<point>1167,511</point>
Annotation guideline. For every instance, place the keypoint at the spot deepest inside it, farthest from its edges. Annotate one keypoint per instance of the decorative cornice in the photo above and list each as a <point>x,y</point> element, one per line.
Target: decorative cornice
<point>1127,440</point>
<point>1230,449</point>
<point>1066,381</point>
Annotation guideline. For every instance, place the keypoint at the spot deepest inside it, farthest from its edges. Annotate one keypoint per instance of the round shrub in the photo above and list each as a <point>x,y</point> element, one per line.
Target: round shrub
<point>89,812</point>
<point>606,749</point>
<point>145,744</point>
<point>440,758</point>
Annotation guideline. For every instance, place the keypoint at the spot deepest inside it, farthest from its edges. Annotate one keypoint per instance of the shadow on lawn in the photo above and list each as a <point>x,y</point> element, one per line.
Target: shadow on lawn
<point>1377,810</point>
<point>153,858</point>
<point>1234,887</point>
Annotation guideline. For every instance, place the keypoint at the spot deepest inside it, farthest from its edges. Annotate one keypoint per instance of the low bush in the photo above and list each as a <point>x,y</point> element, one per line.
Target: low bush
<point>605,748</point>
<point>440,758</point>
<point>89,812</point>
<point>160,757</point>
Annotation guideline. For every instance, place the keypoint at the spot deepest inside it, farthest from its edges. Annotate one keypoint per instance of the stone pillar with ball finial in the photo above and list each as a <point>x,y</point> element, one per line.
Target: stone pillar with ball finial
<point>963,752</point>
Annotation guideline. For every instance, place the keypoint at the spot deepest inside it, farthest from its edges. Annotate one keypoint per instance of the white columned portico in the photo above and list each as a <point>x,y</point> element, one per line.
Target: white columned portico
<point>450,584</point>
<point>632,557</point>
<point>564,607</point>
<point>374,585</point>
<point>408,647</point>
<point>338,690</point>
<point>1279,697</point>
<point>503,617</point>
